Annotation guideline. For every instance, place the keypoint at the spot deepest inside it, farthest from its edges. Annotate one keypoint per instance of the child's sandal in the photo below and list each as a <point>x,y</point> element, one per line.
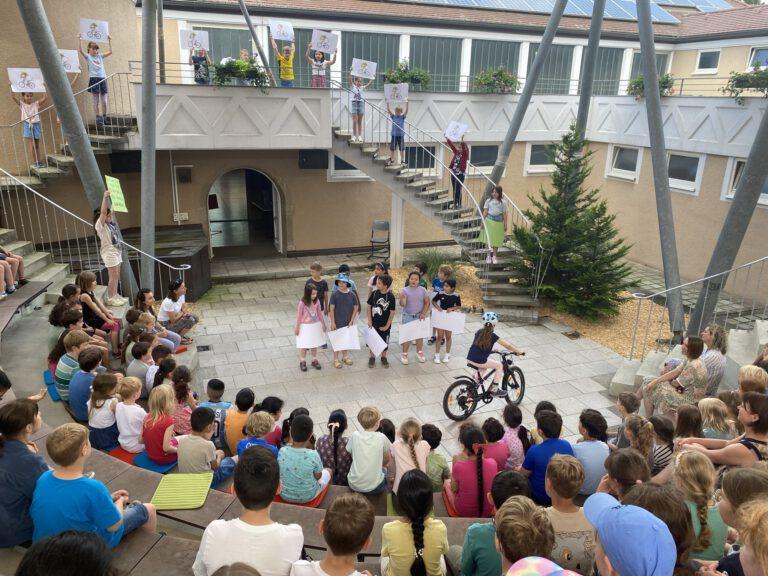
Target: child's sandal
<point>303,366</point>
<point>348,361</point>
<point>337,364</point>
<point>316,365</point>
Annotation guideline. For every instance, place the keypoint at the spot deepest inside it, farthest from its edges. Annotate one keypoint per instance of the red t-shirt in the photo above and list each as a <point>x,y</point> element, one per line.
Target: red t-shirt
<point>153,434</point>
<point>465,475</point>
<point>275,436</point>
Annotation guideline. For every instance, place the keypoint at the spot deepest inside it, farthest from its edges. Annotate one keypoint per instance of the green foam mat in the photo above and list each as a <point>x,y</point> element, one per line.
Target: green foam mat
<point>182,491</point>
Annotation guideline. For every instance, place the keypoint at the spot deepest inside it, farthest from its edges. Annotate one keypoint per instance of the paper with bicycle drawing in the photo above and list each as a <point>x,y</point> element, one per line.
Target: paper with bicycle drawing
<point>452,321</point>
<point>26,79</point>
<point>194,40</point>
<point>324,41</point>
<point>415,330</point>
<point>281,30</point>
<point>345,338</point>
<point>396,92</point>
<point>363,68</point>
<point>455,131</point>
<point>310,336</point>
<point>374,341</point>
<point>94,30</point>
<point>70,60</point>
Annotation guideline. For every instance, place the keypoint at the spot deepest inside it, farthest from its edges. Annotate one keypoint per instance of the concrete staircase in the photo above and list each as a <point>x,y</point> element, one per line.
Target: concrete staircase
<point>513,302</point>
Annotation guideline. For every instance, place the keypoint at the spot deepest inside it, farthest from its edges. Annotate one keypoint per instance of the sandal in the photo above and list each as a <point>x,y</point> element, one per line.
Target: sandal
<point>404,358</point>
<point>303,366</point>
<point>316,365</point>
<point>421,357</point>
<point>348,361</point>
<point>186,340</point>
<point>337,364</point>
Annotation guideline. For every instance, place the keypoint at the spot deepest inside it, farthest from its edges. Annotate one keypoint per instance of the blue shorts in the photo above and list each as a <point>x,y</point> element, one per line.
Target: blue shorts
<point>134,516</point>
<point>32,130</point>
<point>224,471</point>
<point>358,107</point>
<point>97,85</point>
<point>409,317</point>
<point>286,83</point>
<point>396,142</point>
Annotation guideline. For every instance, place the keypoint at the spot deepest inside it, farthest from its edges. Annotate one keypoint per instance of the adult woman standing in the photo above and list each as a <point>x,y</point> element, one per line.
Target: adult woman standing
<point>145,301</point>
<point>495,215</point>
<point>716,341</point>
<point>174,311</point>
<point>110,249</point>
<point>458,168</point>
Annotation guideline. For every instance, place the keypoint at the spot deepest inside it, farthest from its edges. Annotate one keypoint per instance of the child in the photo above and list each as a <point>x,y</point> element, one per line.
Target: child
<point>234,423</point>
<point>258,425</point>
<point>409,451</point>
<point>159,353</point>
<point>357,105</point>
<point>273,406</point>
<point>714,419</point>
<point>309,312</point>
<point>591,449</point>
<point>285,61</point>
<point>421,269</point>
<point>639,432</point>
<point>379,269</point>
<point>438,286</point>
<point>319,66</point>
<point>516,436</point>
<point>626,404</point>
<point>387,427</point>
<point>370,452</point>
<point>416,542</point>
<point>185,400</point>
<point>381,314</point>
<point>95,313</point>
<point>346,528</point>
<point>414,300</point>
<point>343,311</point>
<point>285,438</point>
<point>196,452</point>
<point>74,343</point>
<point>625,468</point>
<point>466,492</point>
<point>215,390</point>
<point>549,425</point>
<point>344,269</point>
<point>689,423</point>
<point>164,374</point>
<point>480,351</point>
<point>65,499</point>
<point>139,366</point>
<point>32,126</point>
<point>97,83</point>
<point>574,536</point>
<point>332,448</point>
<point>130,416</point>
<point>495,447</point>
<point>446,300</point>
<point>157,429</point>
<point>301,470</point>
<point>253,538</point>
<point>316,280</point>
<point>397,143</point>
<point>663,442</point>
<point>101,412</point>
<point>89,361</point>
<point>437,467</point>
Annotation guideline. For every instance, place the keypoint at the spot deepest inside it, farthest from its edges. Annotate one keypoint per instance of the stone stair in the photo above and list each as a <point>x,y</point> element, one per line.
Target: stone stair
<point>511,301</point>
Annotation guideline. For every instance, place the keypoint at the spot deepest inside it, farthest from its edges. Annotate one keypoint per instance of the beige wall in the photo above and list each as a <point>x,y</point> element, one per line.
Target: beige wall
<point>172,47</point>
<point>733,59</point>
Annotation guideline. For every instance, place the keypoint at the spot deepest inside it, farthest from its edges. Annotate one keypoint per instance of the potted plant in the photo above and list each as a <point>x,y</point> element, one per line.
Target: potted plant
<point>404,73</point>
<point>230,69</point>
<point>636,87</point>
<point>497,81</point>
<point>756,79</point>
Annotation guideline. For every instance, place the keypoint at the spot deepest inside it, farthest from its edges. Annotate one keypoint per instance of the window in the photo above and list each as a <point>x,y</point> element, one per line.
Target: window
<point>736,172</point>
<point>555,76</point>
<point>380,48</point>
<point>623,162</point>
<point>484,156</point>
<point>707,61</point>
<point>339,170</point>
<point>637,64</point>
<point>758,57</point>
<point>607,71</point>
<point>492,54</point>
<point>539,158</point>
<point>418,157</point>
<point>227,42</point>
<point>441,57</point>
<point>684,172</point>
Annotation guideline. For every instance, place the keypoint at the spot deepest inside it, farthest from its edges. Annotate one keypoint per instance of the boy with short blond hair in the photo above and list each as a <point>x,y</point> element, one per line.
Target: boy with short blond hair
<point>370,452</point>
<point>258,425</point>
<point>74,343</point>
<point>65,499</point>
<point>522,530</point>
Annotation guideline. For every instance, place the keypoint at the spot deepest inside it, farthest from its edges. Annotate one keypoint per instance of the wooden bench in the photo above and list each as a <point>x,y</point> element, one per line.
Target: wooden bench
<point>133,548</point>
<point>170,556</point>
<point>20,298</point>
<point>379,501</point>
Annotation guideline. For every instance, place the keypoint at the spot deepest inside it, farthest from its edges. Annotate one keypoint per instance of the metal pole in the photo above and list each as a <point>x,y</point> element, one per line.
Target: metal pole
<point>588,70</point>
<point>735,226</point>
<point>148,125</point>
<point>525,98</point>
<point>256,41</point>
<point>659,160</point>
<point>161,41</point>
<point>57,84</point>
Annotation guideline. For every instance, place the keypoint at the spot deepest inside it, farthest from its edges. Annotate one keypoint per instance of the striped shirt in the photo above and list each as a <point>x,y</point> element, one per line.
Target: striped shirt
<point>65,369</point>
<point>662,456</point>
<point>714,361</point>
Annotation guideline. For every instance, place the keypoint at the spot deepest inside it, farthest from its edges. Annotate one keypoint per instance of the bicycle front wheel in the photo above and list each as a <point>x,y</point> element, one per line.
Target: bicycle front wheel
<point>514,382</point>
<point>460,399</point>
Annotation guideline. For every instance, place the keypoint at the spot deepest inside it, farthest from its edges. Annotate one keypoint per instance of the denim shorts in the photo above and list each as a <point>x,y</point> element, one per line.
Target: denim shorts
<point>286,83</point>
<point>224,471</point>
<point>32,130</point>
<point>134,516</point>
<point>409,317</point>
<point>358,107</point>
<point>396,142</point>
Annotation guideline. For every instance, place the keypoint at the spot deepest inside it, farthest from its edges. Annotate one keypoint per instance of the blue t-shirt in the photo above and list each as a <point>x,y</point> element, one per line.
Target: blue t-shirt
<point>592,456</point>
<point>536,460</point>
<point>220,414</point>
<point>437,285</point>
<point>297,473</point>
<point>19,470</point>
<point>246,443</point>
<point>80,393</point>
<point>82,504</point>
<point>398,123</point>
<point>480,355</point>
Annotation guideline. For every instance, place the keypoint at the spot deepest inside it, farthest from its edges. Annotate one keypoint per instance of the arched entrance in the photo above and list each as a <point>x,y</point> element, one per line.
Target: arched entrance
<point>244,215</point>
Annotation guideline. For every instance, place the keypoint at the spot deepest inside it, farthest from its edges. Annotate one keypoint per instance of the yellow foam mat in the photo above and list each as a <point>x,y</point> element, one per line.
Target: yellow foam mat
<point>182,491</point>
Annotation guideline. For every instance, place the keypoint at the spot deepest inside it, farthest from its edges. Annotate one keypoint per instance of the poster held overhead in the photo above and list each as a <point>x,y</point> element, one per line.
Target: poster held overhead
<point>26,80</point>
<point>396,92</point>
<point>70,60</point>
<point>281,30</point>
<point>194,40</point>
<point>310,336</point>
<point>416,330</point>
<point>116,194</point>
<point>455,131</point>
<point>324,41</point>
<point>374,341</point>
<point>94,30</point>
<point>363,68</point>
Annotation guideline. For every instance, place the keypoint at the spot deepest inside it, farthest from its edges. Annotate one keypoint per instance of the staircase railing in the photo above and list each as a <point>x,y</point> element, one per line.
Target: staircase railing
<point>743,298</point>
<point>69,238</point>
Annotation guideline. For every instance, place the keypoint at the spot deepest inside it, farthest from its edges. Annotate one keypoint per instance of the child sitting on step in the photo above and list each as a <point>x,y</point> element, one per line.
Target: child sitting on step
<point>301,469</point>
<point>101,412</point>
<point>196,452</point>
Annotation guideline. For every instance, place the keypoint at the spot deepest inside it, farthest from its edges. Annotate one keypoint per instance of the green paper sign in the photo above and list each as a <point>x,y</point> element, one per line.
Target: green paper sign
<point>116,194</point>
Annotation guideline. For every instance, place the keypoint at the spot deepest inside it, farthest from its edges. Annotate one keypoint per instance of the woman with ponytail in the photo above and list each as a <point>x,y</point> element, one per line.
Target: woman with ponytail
<point>409,451</point>
<point>333,448</point>
<point>466,493</point>
<point>414,543</point>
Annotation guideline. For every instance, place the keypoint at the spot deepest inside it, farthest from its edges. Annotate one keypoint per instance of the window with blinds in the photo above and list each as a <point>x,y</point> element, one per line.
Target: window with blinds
<point>493,54</point>
<point>383,49</point>
<point>227,42</point>
<point>607,71</point>
<point>555,76</point>
<point>302,37</point>
<point>441,57</point>
<point>637,64</point>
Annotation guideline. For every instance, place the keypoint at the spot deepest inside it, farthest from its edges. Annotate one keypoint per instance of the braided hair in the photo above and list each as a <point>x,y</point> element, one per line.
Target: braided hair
<point>472,439</point>
<point>337,424</point>
<point>414,501</point>
<point>695,475</point>
<point>410,432</point>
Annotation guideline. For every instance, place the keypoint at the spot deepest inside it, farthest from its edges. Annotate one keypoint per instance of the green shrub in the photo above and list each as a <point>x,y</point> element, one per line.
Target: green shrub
<point>756,79</point>
<point>497,81</point>
<point>247,70</point>
<point>403,73</point>
<point>434,258</point>
<point>636,87</point>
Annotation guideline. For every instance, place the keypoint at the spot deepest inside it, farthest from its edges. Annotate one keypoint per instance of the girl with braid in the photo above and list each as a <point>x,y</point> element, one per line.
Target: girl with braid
<point>694,476</point>
<point>466,493</point>
<point>333,448</point>
<point>639,433</point>
<point>414,543</point>
<point>409,451</point>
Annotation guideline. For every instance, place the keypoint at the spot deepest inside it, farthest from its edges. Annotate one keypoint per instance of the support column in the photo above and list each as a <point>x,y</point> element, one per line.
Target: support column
<point>161,41</point>
<point>525,98</point>
<point>588,75</point>
<point>660,177</point>
<point>466,65</point>
<point>148,145</point>
<point>255,36</point>
<point>397,232</point>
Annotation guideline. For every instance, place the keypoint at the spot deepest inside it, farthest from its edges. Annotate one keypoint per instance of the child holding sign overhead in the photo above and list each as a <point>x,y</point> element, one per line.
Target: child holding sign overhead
<point>398,133</point>
<point>32,127</point>
<point>320,66</point>
<point>357,106</point>
<point>110,249</point>
<point>97,77</point>
<point>285,62</point>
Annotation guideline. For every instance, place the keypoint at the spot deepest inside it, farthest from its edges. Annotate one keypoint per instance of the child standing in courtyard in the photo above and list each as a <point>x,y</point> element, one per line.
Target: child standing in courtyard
<point>447,301</point>
<point>309,313</point>
<point>344,309</point>
<point>415,303</point>
<point>381,313</point>
<point>31,125</point>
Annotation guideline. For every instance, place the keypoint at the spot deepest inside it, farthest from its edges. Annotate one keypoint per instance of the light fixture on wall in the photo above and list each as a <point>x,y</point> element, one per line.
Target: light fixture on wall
<point>213,201</point>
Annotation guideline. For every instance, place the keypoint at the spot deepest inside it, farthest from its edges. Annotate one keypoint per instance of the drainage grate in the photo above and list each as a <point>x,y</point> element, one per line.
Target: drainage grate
<point>203,348</point>
<point>573,334</point>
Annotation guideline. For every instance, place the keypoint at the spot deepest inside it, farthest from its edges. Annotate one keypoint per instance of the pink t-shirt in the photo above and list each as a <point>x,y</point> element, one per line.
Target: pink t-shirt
<point>515,447</point>
<point>499,451</point>
<point>309,314</point>
<point>401,454</point>
<point>181,419</point>
<point>465,475</point>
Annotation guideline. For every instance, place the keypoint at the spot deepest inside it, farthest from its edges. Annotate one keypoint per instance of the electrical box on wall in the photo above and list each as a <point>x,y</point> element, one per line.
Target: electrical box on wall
<point>180,216</point>
<point>183,174</point>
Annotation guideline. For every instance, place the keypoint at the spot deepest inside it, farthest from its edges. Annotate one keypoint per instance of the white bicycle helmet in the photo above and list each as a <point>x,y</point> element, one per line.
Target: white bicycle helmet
<point>490,318</point>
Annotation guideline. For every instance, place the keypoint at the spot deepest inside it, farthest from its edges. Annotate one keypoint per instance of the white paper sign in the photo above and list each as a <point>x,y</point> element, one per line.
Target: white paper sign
<point>324,41</point>
<point>94,30</point>
<point>310,336</point>
<point>414,330</point>
<point>194,40</point>
<point>452,321</point>
<point>26,79</point>
<point>374,341</point>
<point>281,30</point>
<point>70,59</point>
<point>455,131</point>
<point>396,92</point>
<point>363,68</point>
<point>345,338</point>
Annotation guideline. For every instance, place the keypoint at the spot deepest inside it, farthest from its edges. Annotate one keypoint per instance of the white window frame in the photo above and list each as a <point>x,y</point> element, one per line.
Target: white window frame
<point>707,70</point>
<point>683,186</point>
<point>625,175</point>
<point>728,189</point>
<point>536,169</point>
<point>334,175</point>
<point>752,50</point>
<point>481,171</point>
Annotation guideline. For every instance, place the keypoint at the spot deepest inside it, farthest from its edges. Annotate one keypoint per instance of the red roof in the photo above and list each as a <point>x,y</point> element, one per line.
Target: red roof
<point>745,21</point>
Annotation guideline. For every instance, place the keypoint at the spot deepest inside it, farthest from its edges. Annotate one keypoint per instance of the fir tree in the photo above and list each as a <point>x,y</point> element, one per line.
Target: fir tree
<point>586,271</point>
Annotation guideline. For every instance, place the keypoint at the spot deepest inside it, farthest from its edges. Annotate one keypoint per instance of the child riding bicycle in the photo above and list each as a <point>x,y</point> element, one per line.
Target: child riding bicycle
<point>482,346</point>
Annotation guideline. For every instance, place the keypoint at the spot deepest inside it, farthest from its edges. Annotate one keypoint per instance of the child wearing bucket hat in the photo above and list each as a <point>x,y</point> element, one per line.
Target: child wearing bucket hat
<point>630,540</point>
<point>344,308</point>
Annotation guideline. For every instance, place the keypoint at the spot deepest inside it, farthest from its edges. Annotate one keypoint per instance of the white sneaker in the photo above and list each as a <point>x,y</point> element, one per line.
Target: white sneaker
<point>495,260</point>
<point>437,359</point>
<point>488,259</point>
<point>446,358</point>
<point>421,357</point>
<point>404,358</point>
<point>114,301</point>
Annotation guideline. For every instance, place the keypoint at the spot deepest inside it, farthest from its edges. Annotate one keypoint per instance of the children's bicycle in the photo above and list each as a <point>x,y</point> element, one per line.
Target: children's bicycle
<point>463,397</point>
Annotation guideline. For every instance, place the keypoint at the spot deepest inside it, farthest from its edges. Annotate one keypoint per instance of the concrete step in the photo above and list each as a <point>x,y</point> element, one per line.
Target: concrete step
<point>20,247</point>
<point>431,194</point>
<point>61,160</point>
<point>650,366</point>
<point>342,134</point>
<point>36,261</point>
<point>54,291</point>
<point>470,232</point>
<point>122,120</point>
<point>7,235</point>
<point>500,253</point>
<point>761,333</point>
<point>455,213</point>
<point>109,129</point>
<point>370,150</point>
<point>624,379</point>
<point>98,150</point>
<point>440,202</point>
<point>519,315</point>
<point>510,301</point>
<point>498,274</point>
<point>503,263</point>
<point>106,139</point>
<point>464,221</point>
<point>743,346</point>
<point>409,175</point>
<point>9,183</point>
<point>190,359</point>
<point>421,184</point>
<point>505,288</point>
<point>48,171</point>
<point>394,168</point>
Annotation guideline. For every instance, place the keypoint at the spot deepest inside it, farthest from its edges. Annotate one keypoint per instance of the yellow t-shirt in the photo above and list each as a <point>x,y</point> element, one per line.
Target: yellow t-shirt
<point>286,66</point>
<point>397,544</point>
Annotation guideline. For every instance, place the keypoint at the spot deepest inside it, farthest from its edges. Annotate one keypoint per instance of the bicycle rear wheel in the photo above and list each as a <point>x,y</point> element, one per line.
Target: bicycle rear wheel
<point>514,382</point>
<point>460,399</point>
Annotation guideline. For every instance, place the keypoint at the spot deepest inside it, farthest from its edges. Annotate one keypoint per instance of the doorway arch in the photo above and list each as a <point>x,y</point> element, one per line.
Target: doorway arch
<point>245,214</point>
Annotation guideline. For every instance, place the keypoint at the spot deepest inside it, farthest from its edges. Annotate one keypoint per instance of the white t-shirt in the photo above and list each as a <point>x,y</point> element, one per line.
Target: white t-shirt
<point>367,450</point>
<point>270,549</point>
<point>306,568</point>
<point>101,417</point>
<point>169,305</point>
<point>150,379</point>
<point>130,418</point>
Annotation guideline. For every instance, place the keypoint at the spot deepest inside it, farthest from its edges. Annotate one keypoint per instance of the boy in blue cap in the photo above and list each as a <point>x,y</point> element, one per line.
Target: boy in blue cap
<point>630,540</point>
